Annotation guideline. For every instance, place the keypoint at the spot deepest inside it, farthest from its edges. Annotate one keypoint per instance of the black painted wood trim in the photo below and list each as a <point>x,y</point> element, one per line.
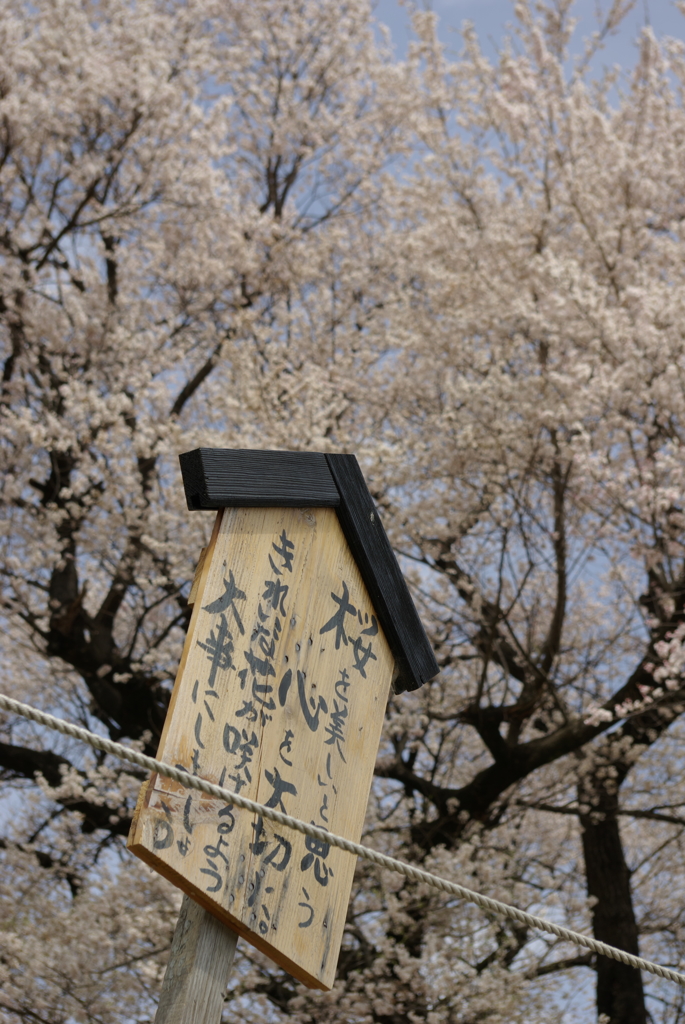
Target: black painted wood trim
<point>217,478</point>
<point>382,575</point>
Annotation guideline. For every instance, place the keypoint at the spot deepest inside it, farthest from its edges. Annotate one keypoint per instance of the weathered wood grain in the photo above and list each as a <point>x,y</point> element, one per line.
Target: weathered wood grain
<point>290,717</point>
<point>217,478</point>
<point>199,966</point>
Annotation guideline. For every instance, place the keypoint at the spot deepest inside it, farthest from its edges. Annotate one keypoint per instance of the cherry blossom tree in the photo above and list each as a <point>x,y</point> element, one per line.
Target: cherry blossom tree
<point>250,226</point>
<point>540,323</point>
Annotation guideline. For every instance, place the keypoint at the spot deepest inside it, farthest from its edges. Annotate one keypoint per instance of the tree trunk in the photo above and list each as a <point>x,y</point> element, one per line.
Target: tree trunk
<point>619,988</point>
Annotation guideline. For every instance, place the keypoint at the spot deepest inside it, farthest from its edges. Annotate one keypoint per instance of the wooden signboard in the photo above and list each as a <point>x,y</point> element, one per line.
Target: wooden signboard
<point>280,696</point>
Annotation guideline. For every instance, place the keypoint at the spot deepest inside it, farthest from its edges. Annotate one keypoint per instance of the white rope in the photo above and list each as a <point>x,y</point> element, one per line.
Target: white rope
<point>408,870</point>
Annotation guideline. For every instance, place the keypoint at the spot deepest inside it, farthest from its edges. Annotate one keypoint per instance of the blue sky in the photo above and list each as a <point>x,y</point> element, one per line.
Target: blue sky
<point>491,17</point>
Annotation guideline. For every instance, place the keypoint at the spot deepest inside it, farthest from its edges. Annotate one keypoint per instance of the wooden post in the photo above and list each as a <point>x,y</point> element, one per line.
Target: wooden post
<point>199,966</point>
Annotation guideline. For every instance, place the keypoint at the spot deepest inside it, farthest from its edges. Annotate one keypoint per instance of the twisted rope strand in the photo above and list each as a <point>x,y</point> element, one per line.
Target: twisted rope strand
<point>366,853</point>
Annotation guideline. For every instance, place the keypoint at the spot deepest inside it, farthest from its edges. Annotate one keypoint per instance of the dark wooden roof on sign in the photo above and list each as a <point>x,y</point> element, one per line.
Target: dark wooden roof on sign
<point>217,478</point>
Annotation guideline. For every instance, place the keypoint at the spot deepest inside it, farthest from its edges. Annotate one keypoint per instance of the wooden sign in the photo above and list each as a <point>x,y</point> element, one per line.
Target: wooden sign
<point>280,696</point>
